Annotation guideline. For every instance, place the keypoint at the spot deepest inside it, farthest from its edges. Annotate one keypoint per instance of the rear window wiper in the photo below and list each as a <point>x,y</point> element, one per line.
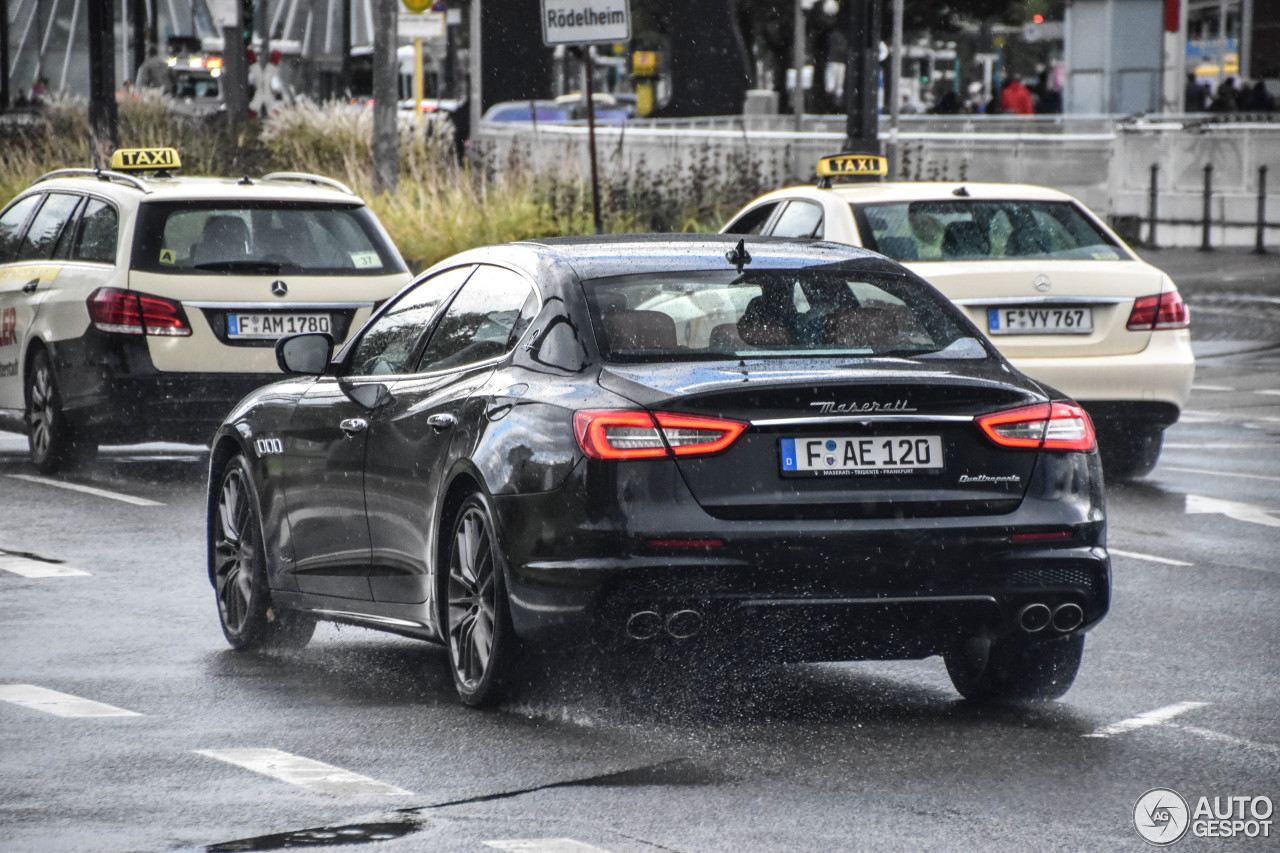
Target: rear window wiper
<point>268,267</point>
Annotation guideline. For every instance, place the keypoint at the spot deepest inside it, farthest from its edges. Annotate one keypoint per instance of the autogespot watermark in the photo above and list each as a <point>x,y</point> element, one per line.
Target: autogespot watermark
<point>1163,816</point>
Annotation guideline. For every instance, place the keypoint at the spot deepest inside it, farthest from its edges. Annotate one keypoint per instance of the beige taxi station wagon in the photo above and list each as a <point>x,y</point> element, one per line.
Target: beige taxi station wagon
<point>136,305</point>
<point>1055,289</point>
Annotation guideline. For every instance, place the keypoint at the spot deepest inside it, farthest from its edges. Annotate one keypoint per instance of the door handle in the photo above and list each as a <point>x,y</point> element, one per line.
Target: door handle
<point>440,422</point>
<point>351,426</point>
<point>30,287</point>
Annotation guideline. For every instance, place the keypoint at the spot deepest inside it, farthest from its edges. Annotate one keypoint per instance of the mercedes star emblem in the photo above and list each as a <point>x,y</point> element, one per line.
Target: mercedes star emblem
<point>1042,283</point>
<point>279,288</point>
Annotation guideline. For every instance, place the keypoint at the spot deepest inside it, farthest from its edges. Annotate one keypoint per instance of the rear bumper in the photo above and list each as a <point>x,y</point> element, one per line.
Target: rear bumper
<point>1161,373</point>
<point>827,589</point>
<point>112,391</point>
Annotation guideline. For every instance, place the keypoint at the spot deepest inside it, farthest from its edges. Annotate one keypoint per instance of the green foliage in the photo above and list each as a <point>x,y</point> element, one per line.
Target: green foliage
<point>439,207</point>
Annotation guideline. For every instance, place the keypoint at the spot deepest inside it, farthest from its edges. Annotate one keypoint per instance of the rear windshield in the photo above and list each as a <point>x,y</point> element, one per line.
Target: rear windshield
<point>967,229</point>
<point>266,237</point>
<point>717,315</point>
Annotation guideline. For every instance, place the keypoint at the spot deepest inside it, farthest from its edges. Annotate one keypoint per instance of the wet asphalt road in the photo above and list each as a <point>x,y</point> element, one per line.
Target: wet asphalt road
<point>1178,688</point>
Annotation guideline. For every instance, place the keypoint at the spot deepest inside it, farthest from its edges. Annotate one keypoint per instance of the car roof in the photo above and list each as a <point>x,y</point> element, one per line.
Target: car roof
<point>136,187</point>
<point>891,191</point>
<point>623,254</point>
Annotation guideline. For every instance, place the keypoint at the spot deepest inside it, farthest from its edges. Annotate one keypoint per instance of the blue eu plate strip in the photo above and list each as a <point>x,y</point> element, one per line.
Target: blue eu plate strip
<point>789,454</point>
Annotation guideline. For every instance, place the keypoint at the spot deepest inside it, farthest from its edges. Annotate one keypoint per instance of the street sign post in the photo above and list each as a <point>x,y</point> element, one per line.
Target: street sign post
<point>583,23</point>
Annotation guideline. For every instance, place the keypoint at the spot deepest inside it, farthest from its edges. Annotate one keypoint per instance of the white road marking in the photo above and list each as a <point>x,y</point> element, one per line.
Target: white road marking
<point>1150,718</point>
<point>1200,505</point>
<point>29,568</point>
<point>544,845</point>
<point>1271,392</point>
<point>313,775</point>
<point>1211,388</point>
<point>1209,734</point>
<point>1210,473</point>
<point>1222,445</point>
<point>1151,558</point>
<point>1192,416</point>
<point>58,704</point>
<point>88,490</point>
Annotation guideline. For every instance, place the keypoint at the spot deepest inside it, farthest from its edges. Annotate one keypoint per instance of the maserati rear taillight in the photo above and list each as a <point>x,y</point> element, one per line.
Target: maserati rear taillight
<point>635,434</point>
<point>1161,311</point>
<point>1043,426</point>
<point>129,313</point>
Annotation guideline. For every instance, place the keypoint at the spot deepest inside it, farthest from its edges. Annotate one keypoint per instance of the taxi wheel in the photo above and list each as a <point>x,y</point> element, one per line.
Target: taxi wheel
<point>482,644</point>
<point>1014,669</point>
<point>1130,454</point>
<point>50,440</point>
<point>239,571</point>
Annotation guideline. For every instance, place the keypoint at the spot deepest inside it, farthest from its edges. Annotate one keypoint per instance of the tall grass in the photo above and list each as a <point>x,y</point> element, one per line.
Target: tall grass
<point>439,206</point>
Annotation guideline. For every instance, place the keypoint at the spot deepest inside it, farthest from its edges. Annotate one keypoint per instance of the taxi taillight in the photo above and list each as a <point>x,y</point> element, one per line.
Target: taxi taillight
<point>1043,426</point>
<point>635,434</point>
<point>128,313</point>
<point>1161,311</point>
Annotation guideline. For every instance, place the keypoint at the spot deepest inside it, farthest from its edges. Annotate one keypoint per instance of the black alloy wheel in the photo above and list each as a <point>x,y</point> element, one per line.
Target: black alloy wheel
<point>239,570</point>
<point>51,442</point>
<point>482,644</point>
<point>1015,668</point>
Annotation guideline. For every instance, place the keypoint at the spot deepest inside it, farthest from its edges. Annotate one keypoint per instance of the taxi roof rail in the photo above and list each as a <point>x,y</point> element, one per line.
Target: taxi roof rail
<point>100,174</point>
<point>308,178</point>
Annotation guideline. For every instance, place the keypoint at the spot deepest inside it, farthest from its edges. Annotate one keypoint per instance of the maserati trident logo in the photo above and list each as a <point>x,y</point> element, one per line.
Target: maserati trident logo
<point>831,407</point>
<point>279,288</point>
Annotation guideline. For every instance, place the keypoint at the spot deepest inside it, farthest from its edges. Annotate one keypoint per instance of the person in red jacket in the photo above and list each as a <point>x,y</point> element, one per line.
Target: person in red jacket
<point>1016,98</point>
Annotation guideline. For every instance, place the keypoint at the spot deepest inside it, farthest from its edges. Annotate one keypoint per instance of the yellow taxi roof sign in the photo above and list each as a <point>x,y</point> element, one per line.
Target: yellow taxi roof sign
<point>145,159</point>
<point>852,166</point>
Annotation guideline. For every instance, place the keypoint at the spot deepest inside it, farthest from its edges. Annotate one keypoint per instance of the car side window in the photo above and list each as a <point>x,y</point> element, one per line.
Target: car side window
<point>753,221</point>
<point>98,233</point>
<point>48,227</point>
<point>11,226</point>
<point>485,320</point>
<point>390,342</point>
<point>800,219</point>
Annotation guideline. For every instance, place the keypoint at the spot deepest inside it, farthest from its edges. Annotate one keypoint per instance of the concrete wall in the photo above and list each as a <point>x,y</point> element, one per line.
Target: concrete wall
<point>1105,163</point>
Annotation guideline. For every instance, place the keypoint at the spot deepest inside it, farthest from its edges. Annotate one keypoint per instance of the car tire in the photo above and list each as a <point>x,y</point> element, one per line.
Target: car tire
<point>1129,454</point>
<point>51,441</point>
<point>249,621</point>
<point>483,648</point>
<point>1015,668</point>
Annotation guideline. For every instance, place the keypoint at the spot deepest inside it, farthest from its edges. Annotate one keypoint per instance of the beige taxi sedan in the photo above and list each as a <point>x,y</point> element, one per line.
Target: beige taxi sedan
<point>1054,288</point>
<point>138,305</point>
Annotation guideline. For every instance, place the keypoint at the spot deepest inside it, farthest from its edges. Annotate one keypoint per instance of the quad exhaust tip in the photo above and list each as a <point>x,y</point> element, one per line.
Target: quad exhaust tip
<point>1035,617</point>
<point>1067,617</point>
<point>644,625</point>
<point>683,624</point>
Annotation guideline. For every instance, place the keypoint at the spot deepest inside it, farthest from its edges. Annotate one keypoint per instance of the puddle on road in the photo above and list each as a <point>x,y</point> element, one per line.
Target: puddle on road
<point>353,833</point>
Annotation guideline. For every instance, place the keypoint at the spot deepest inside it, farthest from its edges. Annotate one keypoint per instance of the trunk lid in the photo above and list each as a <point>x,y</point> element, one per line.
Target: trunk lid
<point>891,440</point>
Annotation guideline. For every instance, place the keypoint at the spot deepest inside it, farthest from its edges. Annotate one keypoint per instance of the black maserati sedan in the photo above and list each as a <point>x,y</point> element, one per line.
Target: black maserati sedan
<point>796,450</point>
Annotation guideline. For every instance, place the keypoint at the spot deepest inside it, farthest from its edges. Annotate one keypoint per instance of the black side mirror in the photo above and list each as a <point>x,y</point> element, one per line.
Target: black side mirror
<point>308,354</point>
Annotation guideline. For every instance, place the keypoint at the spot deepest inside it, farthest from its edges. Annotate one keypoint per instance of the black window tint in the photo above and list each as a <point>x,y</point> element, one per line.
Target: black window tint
<point>800,219</point>
<point>391,341</point>
<point>485,320</point>
<point>188,238</point>
<point>11,225</point>
<point>980,229</point>
<point>41,240</point>
<point>753,221</point>
<point>98,233</point>
<point>781,313</point>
